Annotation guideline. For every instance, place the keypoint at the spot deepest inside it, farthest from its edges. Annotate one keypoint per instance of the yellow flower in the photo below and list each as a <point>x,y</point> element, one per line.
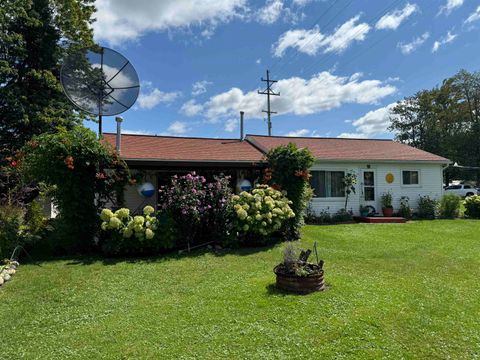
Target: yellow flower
<point>104,226</point>
<point>127,233</point>
<point>106,214</point>
<point>114,223</point>
<point>149,234</point>
<point>245,227</point>
<point>147,210</point>
<point>122,213</point>
<point>139,220</point>
<point>258,217</point>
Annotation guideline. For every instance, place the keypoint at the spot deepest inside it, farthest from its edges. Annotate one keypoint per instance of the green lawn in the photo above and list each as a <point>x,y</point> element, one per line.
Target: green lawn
<point>396,291</point>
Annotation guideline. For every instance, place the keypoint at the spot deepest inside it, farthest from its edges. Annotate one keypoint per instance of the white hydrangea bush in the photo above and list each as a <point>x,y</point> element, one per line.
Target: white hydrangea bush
<point>263,211</point>
<point>122,224</point>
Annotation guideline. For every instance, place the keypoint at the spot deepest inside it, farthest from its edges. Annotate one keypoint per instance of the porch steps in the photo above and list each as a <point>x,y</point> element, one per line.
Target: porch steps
<point>380,219</point>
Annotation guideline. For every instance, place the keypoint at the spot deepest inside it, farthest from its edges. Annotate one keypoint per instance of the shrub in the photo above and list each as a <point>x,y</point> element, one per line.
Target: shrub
<point>426,207</point>
<point>349,181</point>
<point>199,209</point>
<point>342,215</point>
<point>324,217</point>
<point>290,172</point>
<point>83,173</point>
<point>20,226</point>
<point>449,206</point>
<point>260,213</point>
<point>472,207</point>
<point>405,211</point>
<point>386,200</point>
<point>123,234</point>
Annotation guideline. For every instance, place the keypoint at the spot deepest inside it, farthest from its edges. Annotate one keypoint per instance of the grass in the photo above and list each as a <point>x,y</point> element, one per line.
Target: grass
<point>396,291</point>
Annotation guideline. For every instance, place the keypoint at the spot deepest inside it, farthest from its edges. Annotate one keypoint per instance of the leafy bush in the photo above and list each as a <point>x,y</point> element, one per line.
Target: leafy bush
<point>342,215</point>
<point>405,211</point>
<point>20,226</point>
<point>472,206</point>
<point>426,207</point>
<point>290,172</point>
<point>386,200</point>
<point>123,234</point>
<point>324,217</point>
<point>349,181</point>
<point>83,173</point>
<point>449,206</point>
<point>260,213</point>
<point>199,209</point>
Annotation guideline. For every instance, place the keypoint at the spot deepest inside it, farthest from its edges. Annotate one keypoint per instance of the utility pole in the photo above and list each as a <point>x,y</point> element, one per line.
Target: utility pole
<point>268,91</point>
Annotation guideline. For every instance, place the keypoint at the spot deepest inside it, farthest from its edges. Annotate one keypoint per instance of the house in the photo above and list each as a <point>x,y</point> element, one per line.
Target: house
<point>380,165</point>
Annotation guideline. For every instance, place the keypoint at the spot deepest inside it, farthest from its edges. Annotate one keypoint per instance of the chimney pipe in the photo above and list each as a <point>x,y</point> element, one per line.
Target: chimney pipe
<point>118,144</point>
<point>241,125</point>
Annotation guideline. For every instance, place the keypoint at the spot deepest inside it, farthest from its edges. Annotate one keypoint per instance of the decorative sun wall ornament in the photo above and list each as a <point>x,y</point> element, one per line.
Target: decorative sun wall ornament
<point>389,178</point>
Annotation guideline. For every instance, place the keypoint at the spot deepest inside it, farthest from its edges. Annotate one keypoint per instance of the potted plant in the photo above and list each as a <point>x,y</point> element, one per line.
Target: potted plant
<point>364,210</point>
<point>296,274</point>
<point>386,200</point>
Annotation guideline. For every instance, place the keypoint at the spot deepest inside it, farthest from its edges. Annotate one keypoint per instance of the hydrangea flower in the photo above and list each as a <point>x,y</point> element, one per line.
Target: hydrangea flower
<point>148,210</point>
<point>106,214</point>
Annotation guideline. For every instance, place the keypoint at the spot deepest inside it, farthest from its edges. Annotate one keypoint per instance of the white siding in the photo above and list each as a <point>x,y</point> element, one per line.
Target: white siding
<point>134,201</point>
<point>431,183</point>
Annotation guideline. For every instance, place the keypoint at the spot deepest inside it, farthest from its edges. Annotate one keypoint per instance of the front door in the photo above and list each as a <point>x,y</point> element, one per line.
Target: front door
<point>369,193</point>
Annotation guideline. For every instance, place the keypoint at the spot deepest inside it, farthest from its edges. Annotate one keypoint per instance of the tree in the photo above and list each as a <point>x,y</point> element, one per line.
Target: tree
<point>34,37</point>
<point>444,120</point>
<point>290,171</point>
<point>83,173</point>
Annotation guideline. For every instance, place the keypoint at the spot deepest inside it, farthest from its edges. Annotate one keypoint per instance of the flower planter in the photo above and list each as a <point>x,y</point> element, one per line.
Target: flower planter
<point>299,284</point>
<point>387,212</point>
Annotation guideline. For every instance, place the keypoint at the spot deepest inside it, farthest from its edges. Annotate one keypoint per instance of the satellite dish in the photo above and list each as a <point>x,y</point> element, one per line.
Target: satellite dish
<point>100,81</point>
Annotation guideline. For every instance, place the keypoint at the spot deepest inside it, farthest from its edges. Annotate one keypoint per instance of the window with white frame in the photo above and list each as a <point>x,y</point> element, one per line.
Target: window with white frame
<point>410,177</point>
<point>327,184</point>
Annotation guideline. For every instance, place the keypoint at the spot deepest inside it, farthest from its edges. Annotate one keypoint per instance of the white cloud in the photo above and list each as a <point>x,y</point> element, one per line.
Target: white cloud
<point>191,108</point>
<point>475,16</point>
<point>258,61</point>
<point>444,40</point>
<point>414,44</point>
<point>324,91</point>
<point>298,133</point>
<point>154,96</point>
<point>352,136</point>
<point>393,19</point>
<point>124,20</point>
<point>136,132</point>
<point>200,87</point>
<point>375,121</point>
<point>300,2</point>
<point>312,40</point>
<point>270,12</point>
<point>178,127</point>
<point>450,6</point>
<point>231,125</point>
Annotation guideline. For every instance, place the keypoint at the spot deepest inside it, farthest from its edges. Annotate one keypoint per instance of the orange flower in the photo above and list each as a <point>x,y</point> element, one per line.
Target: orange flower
<point>69,162</point>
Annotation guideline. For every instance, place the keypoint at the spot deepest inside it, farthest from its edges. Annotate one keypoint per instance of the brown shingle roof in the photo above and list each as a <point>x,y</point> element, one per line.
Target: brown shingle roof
<point>349,149</point>
<point>169,148</point>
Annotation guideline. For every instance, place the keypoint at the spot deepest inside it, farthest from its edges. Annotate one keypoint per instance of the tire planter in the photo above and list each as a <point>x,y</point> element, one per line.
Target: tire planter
<point>299,284</point>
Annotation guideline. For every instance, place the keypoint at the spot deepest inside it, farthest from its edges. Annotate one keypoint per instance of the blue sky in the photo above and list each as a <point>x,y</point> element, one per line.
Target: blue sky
<point>340,64</point>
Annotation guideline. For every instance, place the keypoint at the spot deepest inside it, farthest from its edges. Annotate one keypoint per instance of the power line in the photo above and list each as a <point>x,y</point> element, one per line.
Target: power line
<point>269,92</point>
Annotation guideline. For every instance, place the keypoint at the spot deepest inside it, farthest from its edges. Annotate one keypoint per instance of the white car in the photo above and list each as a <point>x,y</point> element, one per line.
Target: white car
<point>462,190</point>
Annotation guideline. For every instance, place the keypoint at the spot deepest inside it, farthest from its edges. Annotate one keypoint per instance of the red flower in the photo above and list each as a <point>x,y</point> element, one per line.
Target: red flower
<point>13,163</point>
<point>69,162</point>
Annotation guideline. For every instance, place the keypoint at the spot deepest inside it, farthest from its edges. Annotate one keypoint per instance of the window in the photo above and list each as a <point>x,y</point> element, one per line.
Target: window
<point>327,184</point>
<point>467,187</point>
<point>410,177</point>
<point>453,187</point>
